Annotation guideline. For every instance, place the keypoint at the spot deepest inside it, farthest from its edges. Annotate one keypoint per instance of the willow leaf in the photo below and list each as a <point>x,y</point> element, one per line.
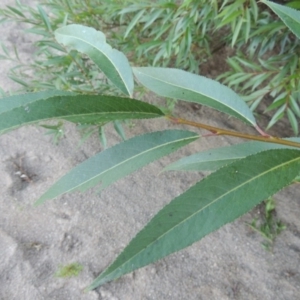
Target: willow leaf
<point>290,16</point>
<point>79,108</point>
<point>116,162</point>
<point>11,102</point>
<point>214,159</point>
<point>91,42</point>
<point>179,84</point>
<point>218,199</point>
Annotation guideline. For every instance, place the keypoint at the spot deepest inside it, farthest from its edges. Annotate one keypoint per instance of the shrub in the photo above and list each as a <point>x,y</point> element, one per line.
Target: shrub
<point>251,171</point>
<point>182,34</point>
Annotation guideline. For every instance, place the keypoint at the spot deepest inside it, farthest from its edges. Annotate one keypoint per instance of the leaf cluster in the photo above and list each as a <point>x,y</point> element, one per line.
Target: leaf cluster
<point>52,66</point>
<point>181,34</point>
<point>265,65</point>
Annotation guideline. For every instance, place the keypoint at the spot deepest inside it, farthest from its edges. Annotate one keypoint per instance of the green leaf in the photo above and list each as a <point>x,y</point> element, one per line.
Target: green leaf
<point>293,121</point>
<point>11,102</point>
<point>152,18</point>
<point>218,199</point>
<point>254,9</point>
<point>16,11</point>
<point>44,17</point>
<point>18,80</point>
<point>214,159</point>
<point>102,137</point>
<point>116,162</point>
<point>277,116</point>
<point>236,32</point>
<point>39,32</point>
<point>295,106</point>
<point>248,22</point>
<point>119,129</point>
<point>290,16</point>
<point>179,84</point>
<point>80,108</point>
<point>228,19</point>
<point>133,22</point>
<point>91,42</point>
<point>50,44</point>
<point>294,4</point>
<point>278,102</point>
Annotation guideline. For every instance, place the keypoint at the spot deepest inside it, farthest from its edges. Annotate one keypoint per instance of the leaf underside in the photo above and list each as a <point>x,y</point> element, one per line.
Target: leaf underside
<point>179,84</point>
<point>84,109</point>
<point>218,199</point>
<point>216,158</point>
<point>113,63</point>
<point>116,162</point>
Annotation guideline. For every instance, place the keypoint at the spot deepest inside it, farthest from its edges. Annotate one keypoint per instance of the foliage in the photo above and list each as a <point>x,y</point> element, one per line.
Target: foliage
<point>250,172</point>
<point>266,64</point>
<point>71,270</point>
<point>268,225</point>
<point>182,34</point>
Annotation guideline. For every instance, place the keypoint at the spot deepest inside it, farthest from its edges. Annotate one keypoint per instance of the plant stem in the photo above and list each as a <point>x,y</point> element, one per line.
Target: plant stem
<point>220,131</point>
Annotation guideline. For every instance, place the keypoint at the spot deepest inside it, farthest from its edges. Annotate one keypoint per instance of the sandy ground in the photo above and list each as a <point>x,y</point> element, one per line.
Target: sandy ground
<point>92,228</point>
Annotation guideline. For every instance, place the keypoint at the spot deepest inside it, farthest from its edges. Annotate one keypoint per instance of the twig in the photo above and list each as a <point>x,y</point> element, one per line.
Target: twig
<point>219,131</point>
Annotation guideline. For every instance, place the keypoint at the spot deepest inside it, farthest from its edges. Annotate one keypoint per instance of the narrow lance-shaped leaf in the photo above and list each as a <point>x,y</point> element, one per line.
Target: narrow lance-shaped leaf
<point>80,108</point>
<point>91,42</point>
<point>216,158</point>
<point>11,102</point>
<point>290,16</point>
<point>218,199</point>
<point>116,162</point>
<point>179,84</point>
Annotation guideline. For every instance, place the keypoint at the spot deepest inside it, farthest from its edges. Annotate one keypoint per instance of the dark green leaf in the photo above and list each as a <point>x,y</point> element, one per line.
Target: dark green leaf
<point>80,109</point>
<point>218,199</point>
<point>11,102</point>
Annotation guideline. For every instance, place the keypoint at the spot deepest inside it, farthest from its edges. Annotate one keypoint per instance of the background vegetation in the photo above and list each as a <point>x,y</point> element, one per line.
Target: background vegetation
<point>263,65</point>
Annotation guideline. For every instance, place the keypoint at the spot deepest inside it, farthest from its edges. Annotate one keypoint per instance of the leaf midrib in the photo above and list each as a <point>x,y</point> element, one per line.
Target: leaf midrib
<point>76,115</point>
<point>99,49</point>
<point>197,92</point>
<point>203,208</point>
<point>132,157</point>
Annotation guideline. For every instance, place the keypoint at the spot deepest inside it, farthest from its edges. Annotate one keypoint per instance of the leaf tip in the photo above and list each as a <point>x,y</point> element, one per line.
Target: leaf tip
<point>40,201</point>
